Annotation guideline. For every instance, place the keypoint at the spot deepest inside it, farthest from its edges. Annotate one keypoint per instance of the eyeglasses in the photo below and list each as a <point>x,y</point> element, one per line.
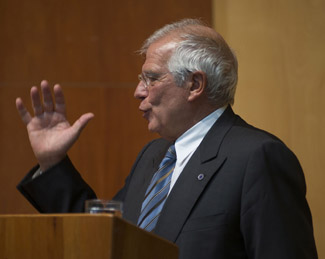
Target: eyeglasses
<point>149,79</point>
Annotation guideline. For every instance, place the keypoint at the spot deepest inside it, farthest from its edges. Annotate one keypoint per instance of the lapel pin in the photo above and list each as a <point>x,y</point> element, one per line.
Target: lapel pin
<point>200,177</point>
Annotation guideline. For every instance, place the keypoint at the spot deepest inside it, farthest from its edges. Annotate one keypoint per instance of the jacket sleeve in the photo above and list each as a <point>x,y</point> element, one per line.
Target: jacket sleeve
<point>60,189</point>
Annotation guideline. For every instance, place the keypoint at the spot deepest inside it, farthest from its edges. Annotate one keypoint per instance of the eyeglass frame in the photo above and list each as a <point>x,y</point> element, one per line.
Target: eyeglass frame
<point>148,79</point>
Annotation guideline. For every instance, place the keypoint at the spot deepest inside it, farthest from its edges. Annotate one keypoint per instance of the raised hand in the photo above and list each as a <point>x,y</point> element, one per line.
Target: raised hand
<point>50,134</point>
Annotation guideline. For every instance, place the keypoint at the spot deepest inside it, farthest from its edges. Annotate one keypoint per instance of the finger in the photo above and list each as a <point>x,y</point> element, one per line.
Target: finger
<point>24,114</point>
<point>47,97</point>
<point>59,99</point>
<point>36,101</point>
<point>81,123</point>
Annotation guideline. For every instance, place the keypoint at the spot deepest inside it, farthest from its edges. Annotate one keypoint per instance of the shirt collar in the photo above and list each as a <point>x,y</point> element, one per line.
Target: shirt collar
<point>188,142</point>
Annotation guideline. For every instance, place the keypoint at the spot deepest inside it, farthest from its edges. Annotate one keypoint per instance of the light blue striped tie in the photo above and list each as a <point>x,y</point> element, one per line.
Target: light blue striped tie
<point>157,192</point>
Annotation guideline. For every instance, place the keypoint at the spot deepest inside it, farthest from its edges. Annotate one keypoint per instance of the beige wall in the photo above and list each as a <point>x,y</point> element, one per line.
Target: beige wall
<point>281,50</point>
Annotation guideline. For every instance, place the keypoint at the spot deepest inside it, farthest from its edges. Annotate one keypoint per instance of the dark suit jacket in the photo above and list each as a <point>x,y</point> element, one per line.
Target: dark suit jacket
<point>250,202</point>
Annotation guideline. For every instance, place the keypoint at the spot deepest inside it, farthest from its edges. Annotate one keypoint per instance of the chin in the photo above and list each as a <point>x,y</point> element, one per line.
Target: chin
<point>152,128</point>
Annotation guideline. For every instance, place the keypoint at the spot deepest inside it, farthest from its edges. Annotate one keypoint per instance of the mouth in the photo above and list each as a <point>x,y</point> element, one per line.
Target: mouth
<point>145,113</point>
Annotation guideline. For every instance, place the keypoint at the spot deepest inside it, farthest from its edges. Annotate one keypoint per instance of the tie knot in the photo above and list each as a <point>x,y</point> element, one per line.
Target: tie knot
<point>171,152</point>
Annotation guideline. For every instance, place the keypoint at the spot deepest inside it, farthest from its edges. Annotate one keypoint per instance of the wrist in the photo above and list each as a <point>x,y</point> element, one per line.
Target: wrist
<point>48,163</point>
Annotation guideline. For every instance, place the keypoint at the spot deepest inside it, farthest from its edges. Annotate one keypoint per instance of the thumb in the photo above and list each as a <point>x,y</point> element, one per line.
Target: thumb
<point>81,123</point>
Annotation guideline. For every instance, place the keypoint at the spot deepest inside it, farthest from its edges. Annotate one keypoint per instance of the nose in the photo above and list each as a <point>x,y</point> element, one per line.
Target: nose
<point>140,91</point>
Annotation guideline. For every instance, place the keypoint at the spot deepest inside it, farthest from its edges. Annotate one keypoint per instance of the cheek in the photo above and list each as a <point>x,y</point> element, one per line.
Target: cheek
<point>155,97</point>
<point>167,100</point>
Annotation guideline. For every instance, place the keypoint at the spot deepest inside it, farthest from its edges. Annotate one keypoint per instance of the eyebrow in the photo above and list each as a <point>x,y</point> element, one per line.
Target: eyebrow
<point>152,74</point>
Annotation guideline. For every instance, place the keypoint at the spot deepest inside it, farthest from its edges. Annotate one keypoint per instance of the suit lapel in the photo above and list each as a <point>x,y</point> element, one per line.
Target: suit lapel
<point>204,164</point>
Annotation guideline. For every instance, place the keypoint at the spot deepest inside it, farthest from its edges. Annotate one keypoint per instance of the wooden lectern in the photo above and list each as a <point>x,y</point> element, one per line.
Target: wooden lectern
<point>78,236</point>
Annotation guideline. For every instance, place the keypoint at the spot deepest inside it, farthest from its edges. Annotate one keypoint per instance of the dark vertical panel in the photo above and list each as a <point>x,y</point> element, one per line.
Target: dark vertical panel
<point>89,47</point>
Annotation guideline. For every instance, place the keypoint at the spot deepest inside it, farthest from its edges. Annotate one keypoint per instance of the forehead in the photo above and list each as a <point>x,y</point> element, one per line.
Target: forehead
<point>158,54</point>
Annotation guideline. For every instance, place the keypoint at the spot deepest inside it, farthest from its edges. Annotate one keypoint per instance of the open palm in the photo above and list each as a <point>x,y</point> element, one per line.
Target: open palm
<point>49,131</point>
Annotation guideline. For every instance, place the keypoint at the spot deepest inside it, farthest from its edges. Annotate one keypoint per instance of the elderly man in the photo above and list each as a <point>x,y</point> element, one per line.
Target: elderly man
<point>213,184</point>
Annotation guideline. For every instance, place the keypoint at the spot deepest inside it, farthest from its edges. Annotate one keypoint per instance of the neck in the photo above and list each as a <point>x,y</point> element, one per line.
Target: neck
<point>195,116</point>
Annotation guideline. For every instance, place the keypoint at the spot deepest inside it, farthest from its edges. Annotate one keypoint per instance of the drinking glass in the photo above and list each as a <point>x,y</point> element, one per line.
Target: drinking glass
<point>95,206</point>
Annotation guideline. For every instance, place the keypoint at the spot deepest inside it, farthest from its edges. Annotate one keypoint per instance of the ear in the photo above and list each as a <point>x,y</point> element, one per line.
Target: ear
<point>198,82</point>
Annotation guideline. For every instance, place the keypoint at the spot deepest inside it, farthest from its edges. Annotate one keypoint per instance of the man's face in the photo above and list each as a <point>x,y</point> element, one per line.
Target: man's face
<point>163,103</point>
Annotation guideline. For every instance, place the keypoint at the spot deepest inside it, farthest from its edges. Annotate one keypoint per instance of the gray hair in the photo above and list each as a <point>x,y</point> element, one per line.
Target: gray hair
<point>200,51</point>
